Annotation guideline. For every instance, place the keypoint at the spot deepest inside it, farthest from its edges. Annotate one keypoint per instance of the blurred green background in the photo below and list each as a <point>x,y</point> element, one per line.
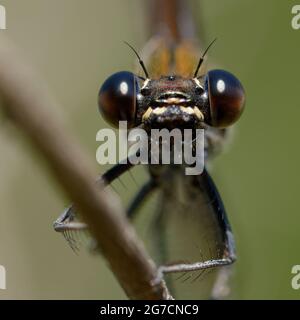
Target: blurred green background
<point>75,45</point>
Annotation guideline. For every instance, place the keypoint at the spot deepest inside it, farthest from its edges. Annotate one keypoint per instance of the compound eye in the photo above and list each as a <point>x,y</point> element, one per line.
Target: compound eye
<point>226,97</point>
<point>117,98</point>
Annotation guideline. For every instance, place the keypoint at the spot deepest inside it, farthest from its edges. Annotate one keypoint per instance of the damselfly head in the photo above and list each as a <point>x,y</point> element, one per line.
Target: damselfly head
<point>215,99</point>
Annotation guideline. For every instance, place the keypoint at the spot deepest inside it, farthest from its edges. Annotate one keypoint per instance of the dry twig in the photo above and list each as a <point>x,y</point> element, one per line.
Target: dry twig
<point>30,107</point>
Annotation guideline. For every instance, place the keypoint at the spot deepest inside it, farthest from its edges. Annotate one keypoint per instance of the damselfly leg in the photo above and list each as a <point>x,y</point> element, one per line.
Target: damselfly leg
<point>69,224</point>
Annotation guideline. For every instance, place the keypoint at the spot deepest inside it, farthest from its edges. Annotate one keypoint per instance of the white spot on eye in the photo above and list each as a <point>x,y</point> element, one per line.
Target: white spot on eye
<point>124,88</point>
<point>221,86</point>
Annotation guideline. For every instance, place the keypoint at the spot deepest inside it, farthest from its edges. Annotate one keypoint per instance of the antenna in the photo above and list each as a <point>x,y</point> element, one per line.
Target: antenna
<point>141,62</point>
<point>202,58</point>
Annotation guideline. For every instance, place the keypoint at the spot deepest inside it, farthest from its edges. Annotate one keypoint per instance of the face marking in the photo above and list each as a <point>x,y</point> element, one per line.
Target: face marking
<point>172,101</point>
<point>198,114</point>
<point>173,97</point>
<point>198,83</point>
<point>147,114</point>
<point>174,93</point>
<point>188,110</point>
<point>145,83</point>
<point>159,111</point>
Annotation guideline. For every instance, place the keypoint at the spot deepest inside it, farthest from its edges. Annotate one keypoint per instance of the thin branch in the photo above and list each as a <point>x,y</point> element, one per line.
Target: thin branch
<point>29,106</point>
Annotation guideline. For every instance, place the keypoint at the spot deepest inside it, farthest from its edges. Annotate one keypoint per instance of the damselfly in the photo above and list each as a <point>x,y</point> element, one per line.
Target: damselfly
<point>190,228</point>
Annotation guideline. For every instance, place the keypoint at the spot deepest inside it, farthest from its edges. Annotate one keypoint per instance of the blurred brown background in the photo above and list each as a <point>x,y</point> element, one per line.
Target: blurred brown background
<point>75,45</point>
